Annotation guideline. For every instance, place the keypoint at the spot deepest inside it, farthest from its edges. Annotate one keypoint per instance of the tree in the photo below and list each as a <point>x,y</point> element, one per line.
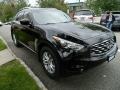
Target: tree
<point>8,8</point>
<point>103,5</point>
<point>59,4</point>
<point>21,4</point>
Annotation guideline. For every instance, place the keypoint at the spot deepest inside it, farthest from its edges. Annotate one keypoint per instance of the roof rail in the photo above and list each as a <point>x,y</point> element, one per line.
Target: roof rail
<point>34,7</point>
<point>24,8</point>
<point>28,8</point>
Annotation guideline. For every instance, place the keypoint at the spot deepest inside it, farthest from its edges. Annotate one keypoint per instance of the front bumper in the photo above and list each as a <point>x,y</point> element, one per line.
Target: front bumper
<point>88,57</point>
<point>111,52</point>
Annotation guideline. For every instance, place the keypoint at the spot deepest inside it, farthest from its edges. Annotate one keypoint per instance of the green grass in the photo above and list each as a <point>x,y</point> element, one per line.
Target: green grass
<point>2,45</point>
<point>13,76</point>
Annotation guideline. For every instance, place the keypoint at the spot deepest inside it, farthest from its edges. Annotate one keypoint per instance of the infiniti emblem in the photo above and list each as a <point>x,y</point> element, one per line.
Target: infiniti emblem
<point>101,39</point>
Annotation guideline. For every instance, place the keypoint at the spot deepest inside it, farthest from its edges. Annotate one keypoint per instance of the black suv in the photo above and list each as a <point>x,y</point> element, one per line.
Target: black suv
<point>59,41</point>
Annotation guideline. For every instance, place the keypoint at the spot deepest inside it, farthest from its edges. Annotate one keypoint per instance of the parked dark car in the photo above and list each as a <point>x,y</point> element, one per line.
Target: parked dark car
<point>59,41</point>
<point>116,24</point>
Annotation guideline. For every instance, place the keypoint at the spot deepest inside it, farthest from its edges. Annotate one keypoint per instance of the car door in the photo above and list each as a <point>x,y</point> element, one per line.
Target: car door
<point>28,36</point>
<point>16,26</point>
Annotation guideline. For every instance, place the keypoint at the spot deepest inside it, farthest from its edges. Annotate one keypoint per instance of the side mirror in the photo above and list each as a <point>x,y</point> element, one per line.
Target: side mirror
<point>25,22</point>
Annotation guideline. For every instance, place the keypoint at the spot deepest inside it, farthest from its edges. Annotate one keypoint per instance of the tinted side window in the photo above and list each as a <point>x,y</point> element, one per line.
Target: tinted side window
<point>26,15</point>
<point>20,16</point>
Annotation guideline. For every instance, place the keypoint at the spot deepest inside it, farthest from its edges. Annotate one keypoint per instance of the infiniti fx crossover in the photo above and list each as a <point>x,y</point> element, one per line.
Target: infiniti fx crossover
<point>59,41</point>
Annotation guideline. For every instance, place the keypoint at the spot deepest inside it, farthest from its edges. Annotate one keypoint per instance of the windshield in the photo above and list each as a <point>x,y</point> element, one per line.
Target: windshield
<point>83,13</point>
<point>49,17</point>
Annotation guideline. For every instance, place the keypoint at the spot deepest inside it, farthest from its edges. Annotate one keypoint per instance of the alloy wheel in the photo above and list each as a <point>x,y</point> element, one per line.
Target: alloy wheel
<point>48,62</point>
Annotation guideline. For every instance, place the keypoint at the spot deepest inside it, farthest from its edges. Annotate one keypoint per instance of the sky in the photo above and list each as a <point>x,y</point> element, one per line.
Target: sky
<point>33,2</point>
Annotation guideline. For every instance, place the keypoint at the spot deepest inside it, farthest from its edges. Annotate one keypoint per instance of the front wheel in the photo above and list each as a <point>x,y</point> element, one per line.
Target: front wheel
<point>50,62</point>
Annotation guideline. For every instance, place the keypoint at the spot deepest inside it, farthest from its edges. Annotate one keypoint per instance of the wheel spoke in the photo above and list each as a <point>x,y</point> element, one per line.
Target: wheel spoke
<point>46,55</point>
<point>52,67</point>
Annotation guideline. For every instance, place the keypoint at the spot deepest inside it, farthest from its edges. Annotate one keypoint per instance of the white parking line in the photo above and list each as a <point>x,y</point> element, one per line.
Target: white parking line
<point>118,50</point>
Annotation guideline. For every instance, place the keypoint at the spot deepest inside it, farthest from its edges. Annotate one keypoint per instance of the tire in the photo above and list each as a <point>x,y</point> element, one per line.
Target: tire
<point>15,40</point>
<point>50,62</point>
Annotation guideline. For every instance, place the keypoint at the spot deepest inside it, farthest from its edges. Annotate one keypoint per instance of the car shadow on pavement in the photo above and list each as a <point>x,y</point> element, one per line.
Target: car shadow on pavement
<point>84,67</point>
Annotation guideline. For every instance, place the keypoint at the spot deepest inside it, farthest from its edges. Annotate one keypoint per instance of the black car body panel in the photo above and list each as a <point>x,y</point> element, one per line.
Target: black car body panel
<point>37,35</point>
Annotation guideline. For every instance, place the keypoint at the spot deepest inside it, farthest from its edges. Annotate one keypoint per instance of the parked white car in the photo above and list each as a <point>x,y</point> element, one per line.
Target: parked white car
<point>1,23</point>
<point>84,16</point>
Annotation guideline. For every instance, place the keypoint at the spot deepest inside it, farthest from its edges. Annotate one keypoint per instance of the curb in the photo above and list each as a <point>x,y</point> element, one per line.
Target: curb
<point>37,80</point>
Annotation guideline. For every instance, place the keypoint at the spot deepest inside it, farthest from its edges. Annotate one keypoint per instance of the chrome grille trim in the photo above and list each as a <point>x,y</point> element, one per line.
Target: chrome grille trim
<point>103,47</point>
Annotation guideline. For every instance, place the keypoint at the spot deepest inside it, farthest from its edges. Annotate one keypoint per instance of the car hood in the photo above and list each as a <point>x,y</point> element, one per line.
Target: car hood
<point>80,31</point>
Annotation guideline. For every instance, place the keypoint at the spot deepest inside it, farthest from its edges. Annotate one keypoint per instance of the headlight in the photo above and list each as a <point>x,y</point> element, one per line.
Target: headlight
<point>67,44</point>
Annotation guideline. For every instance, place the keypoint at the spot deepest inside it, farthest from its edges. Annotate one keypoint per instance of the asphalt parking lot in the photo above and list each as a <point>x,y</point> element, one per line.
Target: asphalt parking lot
<point>105,76</point>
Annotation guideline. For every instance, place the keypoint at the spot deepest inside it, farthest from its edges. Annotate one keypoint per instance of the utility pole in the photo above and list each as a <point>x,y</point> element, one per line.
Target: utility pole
<point>79,4</point>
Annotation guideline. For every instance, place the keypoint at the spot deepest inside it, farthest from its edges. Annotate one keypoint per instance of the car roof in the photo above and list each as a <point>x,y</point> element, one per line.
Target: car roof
<point>111,11</point>
<point>84,10</point>
<point>115,11</point>
<point>36,8</point>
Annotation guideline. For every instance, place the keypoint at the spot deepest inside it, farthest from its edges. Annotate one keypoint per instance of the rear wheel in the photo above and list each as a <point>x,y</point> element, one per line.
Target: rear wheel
<point>50,62</point>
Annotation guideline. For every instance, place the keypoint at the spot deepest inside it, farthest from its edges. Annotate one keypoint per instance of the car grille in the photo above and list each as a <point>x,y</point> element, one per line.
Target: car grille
<point>102,47</point>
